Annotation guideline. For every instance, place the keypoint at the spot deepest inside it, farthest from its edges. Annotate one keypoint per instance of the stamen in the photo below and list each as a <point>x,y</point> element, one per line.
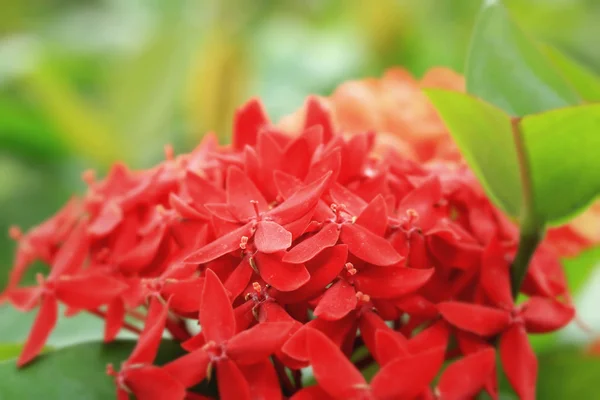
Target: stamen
<point>350,268</point>
<point>169,152</point>
<point>363,297</point>
<point>89,176</point>
<point>256,210</point>
<point>256,286</point>
<point>413,216</point>
<point>15,233</point>
<point>39,278</point>
<point>244,242</point>
<point>110,370</point>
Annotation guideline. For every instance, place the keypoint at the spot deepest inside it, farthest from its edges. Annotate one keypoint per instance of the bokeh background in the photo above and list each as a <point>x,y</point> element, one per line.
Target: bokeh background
<point>86,83</point>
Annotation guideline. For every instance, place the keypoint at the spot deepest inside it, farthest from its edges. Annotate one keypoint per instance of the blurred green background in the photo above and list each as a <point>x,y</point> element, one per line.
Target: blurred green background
<point>85,83</point>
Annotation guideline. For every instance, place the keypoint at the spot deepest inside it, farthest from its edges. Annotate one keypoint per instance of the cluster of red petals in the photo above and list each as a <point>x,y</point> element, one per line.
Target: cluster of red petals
<point>278,253</point>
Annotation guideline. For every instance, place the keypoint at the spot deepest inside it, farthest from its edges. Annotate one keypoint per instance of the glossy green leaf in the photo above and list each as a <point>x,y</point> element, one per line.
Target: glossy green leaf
<point>506,68</point>
<point>75,372</point>
<point>556,151</point>
<point>484,135</point>
<point>585,82</point>
<point>562,149</point>
<point>15,326</point>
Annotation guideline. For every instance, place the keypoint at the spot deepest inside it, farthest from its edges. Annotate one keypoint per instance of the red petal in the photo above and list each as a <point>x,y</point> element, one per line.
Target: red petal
<point>313,245</point>
<point>406,377</point>
<point>42,327</point>
<point>248,120</point>
<point>301,202</point>
<point>184,295</point>
<point>258,343</point>
<point>231,382</point>
<point>337,301</point>
<point>225,244</point>
<point>336,331</point>
<point>241,192</point>
<point>271,237</point>
<point>374,217</point>
<point>185,210</point>
<point>519,362</point>
<point>464,378</point>
<point>422,200</point>
<point>216,313</point>
<point>369,323</point>
<point>317,113</point>
<point>72,253</point>
<point>25,299</point>
<point>153,383</point>
<point>437,335</point>
<point>328,163</point>
<point>279,274</point>
<point>88,291</point>
<point>190,369</point>
<point>263,381</point>
<point>482,320</point>
<point>543,315</point>
<point>495,274</point>
<point>238,280</point>
<point>323,269</point>
<point>341,195</point>
<point>367,246</point>
<point>311,393</point>
<point>145,251</point>
<point>149,341</point>
<point>297,158</point>
<point>391,282</point>
<point>107,220</point>
<point>334,372</point>
<point>390,345</point>
<point>115,316</point>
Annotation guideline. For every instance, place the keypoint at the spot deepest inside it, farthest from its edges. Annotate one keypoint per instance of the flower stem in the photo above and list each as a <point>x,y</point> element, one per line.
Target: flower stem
<point>529,239</point>
<point>532,229</point>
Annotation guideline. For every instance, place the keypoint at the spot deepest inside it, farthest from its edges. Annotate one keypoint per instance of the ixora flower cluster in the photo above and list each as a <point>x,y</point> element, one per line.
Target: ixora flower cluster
<point>290,252</point>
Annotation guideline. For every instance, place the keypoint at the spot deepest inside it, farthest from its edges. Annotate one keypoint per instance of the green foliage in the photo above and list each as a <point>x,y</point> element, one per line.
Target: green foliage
<point>75,372</point>
<point>544,167</point>
<point>484,135</point>
<point>506,68</point>
<point>562,148</point>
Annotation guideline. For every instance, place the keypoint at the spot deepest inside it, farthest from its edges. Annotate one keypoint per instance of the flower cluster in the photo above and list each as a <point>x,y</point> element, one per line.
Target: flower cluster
<point>292,251</point>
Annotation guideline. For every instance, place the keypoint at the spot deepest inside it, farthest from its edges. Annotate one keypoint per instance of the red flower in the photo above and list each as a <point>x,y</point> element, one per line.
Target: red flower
<point>224,347</point>
<point>536,315</point>
<point>292,252</point>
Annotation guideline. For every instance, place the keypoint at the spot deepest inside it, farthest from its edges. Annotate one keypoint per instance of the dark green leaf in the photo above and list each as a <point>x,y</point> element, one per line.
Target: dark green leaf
<point>75,372</point>
<point>506,68</point>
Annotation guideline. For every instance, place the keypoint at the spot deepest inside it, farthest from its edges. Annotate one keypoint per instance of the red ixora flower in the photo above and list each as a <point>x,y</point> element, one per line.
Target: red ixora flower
<point>292,251</point>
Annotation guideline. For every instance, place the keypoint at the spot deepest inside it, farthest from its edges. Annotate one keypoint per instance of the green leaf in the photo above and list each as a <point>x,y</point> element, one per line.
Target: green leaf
<point>580,268</point>
<point>551,172</point>
<point>567,373</point>
<point>506,68</point>
<point>75,372</point>
<point>484,135</point>
<point>585,82</point>
<point>562,150</point>
<point>15,326</point>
